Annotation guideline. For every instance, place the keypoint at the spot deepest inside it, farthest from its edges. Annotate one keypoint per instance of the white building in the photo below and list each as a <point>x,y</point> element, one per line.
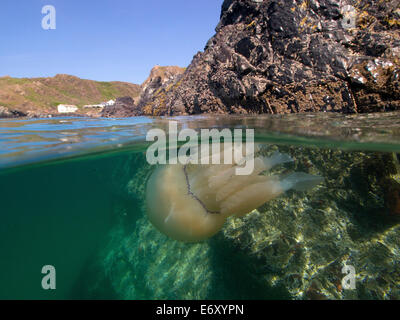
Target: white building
<point>66,108</point>
<point>101,105</point>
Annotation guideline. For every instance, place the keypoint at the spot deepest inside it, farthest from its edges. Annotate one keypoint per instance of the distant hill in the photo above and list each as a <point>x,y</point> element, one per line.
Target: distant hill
<point>43,95</point>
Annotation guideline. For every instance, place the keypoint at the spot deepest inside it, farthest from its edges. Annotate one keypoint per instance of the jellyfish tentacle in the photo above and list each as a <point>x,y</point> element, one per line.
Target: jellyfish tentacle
<point>300,181</point>
<point>251,197</point>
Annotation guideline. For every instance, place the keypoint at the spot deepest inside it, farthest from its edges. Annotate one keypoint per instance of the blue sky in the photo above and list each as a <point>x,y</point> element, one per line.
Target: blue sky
<point>103,39</point>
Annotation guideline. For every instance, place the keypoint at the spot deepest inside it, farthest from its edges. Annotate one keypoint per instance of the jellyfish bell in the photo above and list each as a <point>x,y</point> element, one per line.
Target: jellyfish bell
<point>174,210</point>
<point>192,202</point>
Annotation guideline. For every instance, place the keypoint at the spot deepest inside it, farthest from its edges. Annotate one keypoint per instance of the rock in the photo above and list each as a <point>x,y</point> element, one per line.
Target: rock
<point>160,81</point>
<point>278,56</point>
<point>123,107</point>
<point>6,113</point>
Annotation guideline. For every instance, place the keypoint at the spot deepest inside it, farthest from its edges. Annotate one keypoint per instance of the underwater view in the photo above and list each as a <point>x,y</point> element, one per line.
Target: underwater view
<point>318,218</point>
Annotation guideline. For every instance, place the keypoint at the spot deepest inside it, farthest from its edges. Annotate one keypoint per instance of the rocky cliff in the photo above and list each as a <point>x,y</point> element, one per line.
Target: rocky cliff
<point>154,88</point>
<point>286,56</point>
<point>159,77</point>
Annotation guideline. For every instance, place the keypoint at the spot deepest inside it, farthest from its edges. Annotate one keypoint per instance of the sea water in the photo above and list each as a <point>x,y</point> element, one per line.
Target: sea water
<point>72,194</point>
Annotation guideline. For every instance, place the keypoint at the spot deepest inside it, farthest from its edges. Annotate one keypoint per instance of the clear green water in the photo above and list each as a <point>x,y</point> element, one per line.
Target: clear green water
<point>72,196</point>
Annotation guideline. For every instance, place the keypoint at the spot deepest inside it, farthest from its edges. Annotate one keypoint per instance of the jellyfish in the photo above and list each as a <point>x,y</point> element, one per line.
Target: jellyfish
<point>191,203</point>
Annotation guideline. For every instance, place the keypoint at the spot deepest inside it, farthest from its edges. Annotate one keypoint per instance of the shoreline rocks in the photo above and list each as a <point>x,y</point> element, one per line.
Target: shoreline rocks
<point>123,107</point>
<point>6,113</point>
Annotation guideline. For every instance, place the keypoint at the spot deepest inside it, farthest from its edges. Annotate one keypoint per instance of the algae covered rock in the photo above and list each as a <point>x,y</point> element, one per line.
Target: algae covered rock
<point>303,241</point>
<point>145,264</point>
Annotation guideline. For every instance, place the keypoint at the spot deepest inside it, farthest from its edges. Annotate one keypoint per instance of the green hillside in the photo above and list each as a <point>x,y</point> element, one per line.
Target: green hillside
<point>44,94</point>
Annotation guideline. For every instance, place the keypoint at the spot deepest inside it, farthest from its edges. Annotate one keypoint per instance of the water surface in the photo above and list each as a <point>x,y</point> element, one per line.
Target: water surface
<point>72,195</point>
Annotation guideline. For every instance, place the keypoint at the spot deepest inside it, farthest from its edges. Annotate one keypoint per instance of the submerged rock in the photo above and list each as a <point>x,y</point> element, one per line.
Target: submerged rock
<point>303,242</point>
<point>292,56</point>
<point>294,246</point>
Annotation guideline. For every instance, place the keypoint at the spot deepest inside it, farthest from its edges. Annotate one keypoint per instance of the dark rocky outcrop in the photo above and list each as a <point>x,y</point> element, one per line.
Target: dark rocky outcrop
<point>6,113</point>
<point>123,107</point>
<point>286,56</point>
